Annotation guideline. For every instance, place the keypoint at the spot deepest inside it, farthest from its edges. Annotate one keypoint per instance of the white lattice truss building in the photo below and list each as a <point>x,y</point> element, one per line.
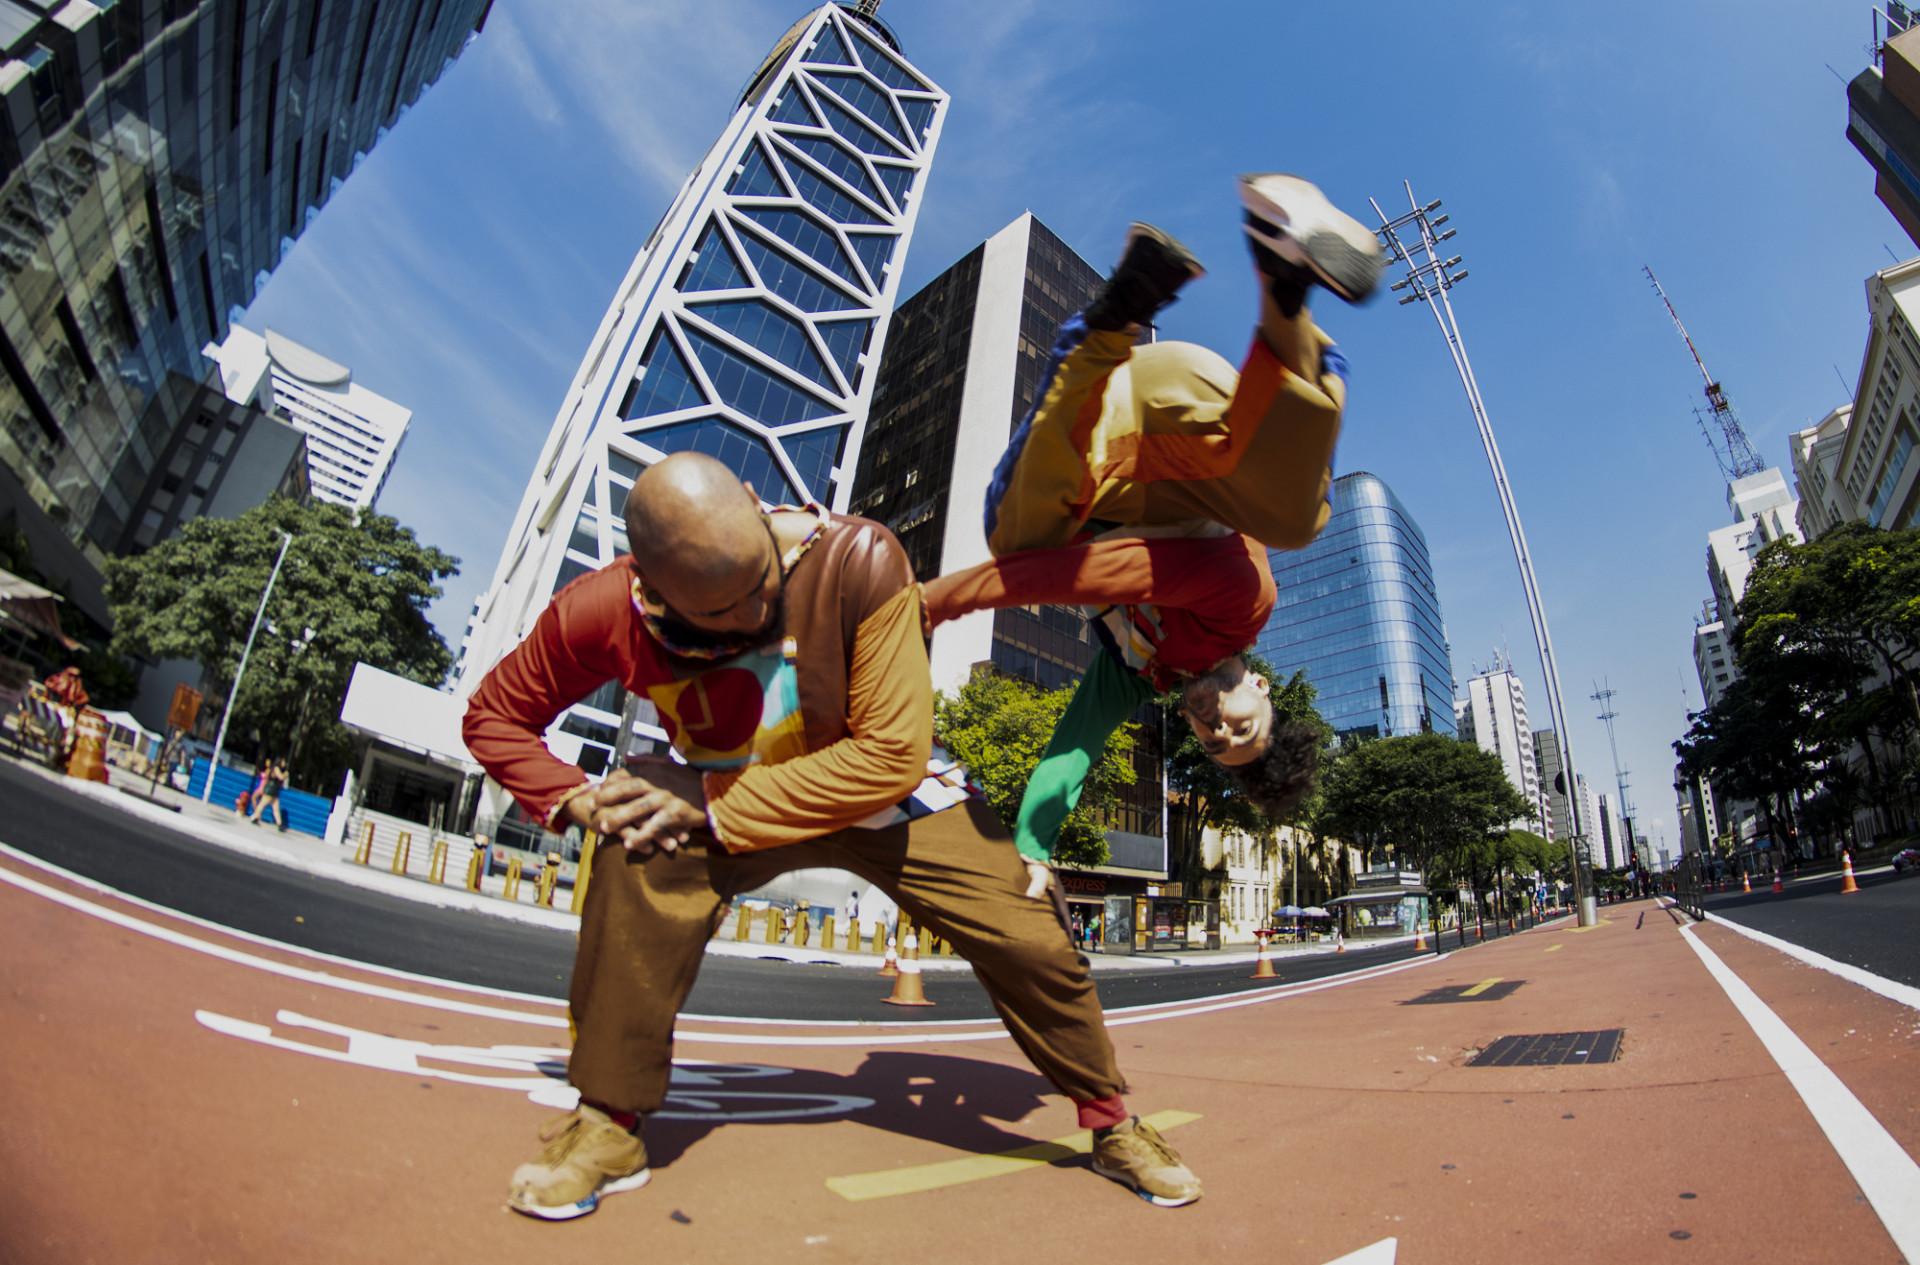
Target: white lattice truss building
<point>750,326</point>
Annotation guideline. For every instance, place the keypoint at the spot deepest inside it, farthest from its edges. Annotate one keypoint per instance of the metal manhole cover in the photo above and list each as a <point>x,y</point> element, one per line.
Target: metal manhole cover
<point>1466,992</point>
<point>1551,1049</point>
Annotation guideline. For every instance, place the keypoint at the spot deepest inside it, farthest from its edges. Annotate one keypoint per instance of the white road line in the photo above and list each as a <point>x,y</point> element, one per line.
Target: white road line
<point>1905,994</point>
<point>1885,1173</point>
<point>866,1037</point>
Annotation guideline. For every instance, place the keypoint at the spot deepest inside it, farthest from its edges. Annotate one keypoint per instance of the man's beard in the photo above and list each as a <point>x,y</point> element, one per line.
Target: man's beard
<point>680,638</point>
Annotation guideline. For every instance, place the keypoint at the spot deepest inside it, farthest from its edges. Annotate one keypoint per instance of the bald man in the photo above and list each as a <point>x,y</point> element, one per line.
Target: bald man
<point>784,653</point>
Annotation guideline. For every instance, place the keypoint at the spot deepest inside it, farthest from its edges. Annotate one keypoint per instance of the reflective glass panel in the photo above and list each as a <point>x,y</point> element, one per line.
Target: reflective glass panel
<point>756,178</point>
<point>856,132</point>
<point>831,48</point>
<point>873,249</point>
<point>713,266</point>
<point>865,98</point>
<point>752,390</point>
<point>846,340</point>
<point>668,384</point>
<point>919,112</point>
<point>898,180</point>
<point>793,109</point>
<point>767,330</point>
<point>804,232</point>
<point>840,163</point>
<point>814,455</point>
<point>792,282</point>
<point>884,68</point>
<point>822,196</point>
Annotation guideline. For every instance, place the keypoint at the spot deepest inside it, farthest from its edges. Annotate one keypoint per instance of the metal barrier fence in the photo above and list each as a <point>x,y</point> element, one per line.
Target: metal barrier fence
<point>1689,886</point>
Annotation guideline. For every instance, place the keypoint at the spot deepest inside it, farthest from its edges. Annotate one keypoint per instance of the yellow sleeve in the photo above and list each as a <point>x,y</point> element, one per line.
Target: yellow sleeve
<point>879,763</point>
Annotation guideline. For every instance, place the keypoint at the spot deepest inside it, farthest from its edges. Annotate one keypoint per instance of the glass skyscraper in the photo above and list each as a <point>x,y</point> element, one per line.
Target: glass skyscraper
<point>157,159</point>
<point>1359,614</point>
<point>750,326</point>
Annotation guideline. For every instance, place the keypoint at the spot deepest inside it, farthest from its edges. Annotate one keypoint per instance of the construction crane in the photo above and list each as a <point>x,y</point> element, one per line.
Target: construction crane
<point>1732,451</point>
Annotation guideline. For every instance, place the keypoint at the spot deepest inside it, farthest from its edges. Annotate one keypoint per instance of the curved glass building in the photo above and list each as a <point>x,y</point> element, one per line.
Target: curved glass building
<point>1359,614</point>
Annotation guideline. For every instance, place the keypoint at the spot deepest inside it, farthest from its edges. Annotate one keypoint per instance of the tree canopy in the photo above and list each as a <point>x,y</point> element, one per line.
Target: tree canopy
<point>352,589</point>
<point>1827,642</point>
<point>999,726</point>
<point>1426,796</point>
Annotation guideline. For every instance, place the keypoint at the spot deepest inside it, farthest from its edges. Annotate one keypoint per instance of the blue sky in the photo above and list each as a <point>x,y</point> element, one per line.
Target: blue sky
<point>464,266</point>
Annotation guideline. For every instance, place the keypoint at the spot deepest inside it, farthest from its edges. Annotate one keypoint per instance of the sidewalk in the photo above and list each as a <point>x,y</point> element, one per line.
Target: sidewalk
<point>223,828</point>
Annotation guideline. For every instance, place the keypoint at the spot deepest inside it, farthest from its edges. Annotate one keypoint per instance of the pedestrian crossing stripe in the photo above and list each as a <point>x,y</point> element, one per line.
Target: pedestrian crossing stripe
<point>973,1168</point>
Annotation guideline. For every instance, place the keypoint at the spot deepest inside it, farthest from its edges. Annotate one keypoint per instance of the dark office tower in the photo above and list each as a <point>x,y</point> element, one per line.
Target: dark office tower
<point>157,159</point>
<point>1359,614</point>
<point>964,358</point>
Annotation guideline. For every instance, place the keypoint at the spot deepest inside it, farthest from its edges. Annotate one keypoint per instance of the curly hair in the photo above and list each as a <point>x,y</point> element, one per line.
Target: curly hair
<point>1284,773</point>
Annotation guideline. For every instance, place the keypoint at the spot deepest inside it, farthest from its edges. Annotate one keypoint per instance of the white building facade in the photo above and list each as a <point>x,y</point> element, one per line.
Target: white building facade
<point>750,326</point>
<point>1493,715</point>
<point>353,434</point>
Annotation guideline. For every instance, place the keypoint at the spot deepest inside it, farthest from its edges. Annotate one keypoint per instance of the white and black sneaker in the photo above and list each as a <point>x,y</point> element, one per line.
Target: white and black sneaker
<point>1299,238</point>
<point>1153,267</point>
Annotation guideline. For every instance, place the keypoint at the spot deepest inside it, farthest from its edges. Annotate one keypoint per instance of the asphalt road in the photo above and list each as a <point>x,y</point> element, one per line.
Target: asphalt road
<point>184,873</point>
<point>1876,928</point>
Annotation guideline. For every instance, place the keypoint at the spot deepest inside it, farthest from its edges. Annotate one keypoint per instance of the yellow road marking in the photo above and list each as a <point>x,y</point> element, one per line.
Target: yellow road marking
<point>1604,922</point>
<point>1482,986</point>
<point>973,1168</point>
<point>1552,947</point>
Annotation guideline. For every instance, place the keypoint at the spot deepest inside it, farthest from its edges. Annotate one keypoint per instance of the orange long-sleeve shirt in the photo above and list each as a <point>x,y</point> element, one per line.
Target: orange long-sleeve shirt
<point>828,723</point>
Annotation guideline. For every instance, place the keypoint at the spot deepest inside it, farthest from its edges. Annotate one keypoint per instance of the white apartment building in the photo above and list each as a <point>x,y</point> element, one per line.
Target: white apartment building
<point>353,434</point>
<point>1764,509</point>
<point>1493,715</point>
<point>1816,462</point>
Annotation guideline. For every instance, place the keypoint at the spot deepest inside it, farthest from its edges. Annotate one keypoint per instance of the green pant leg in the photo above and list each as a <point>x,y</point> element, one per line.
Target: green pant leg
<point>1107,695</point>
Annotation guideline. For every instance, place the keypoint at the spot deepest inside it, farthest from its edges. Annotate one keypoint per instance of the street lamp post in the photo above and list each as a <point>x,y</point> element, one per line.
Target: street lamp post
<point>1412,239</point>
<point>233,696</point>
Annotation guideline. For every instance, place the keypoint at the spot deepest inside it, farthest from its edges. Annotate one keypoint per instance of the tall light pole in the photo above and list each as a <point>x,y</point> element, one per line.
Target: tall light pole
<point>233,695</point>
<point>1412,239</point>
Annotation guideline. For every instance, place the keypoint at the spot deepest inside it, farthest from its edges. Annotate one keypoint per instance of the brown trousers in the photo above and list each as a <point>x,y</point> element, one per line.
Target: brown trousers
<point>647,921</point>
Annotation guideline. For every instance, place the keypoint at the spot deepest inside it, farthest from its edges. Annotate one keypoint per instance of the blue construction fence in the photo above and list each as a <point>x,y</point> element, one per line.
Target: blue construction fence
<point>305,813</point>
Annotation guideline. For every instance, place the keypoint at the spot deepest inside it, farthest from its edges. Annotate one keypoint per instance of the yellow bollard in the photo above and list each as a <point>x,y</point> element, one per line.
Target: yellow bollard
<point>879,938</point>
<point>403,852</point>
<point>363,854</point>
<point>549,879</point>
<point>802,925</point>
<point>853,935</point>
<point>437,865</point>
<point>826,931</point>
<point>474,863</point>
<point>743,925</point>
<point>776,925</point>
<point>583,872</point>
<point>512,889</point>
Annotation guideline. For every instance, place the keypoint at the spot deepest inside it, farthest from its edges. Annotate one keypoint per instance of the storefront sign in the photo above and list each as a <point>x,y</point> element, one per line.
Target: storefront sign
<point>1091,884</point>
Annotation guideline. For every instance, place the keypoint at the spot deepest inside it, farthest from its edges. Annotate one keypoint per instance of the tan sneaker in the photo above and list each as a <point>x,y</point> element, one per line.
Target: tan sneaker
<point>586,1156</point>
<point>1135,1155</point>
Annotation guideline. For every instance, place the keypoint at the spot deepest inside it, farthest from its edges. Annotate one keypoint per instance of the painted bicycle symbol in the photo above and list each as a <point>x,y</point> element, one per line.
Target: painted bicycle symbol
<point>698,1090</point>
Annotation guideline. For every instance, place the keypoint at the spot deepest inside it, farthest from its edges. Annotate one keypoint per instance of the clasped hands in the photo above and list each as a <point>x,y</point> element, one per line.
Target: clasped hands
<point>652,804</point>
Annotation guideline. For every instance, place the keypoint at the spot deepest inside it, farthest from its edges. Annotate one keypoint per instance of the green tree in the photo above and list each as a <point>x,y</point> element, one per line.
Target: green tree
<point>353,589</point>
<point>999,726</point>
<point>1435,801</point>
<point>1208,794</point>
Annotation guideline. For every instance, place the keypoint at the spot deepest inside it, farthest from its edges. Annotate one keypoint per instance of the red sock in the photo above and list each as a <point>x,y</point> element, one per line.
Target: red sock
<point>628,1120</point>
<point>1101,1113</point>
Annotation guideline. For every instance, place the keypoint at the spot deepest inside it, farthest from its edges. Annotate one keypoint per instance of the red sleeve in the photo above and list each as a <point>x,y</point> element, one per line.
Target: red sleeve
<point>1214,593</point>
<point>572,651</point>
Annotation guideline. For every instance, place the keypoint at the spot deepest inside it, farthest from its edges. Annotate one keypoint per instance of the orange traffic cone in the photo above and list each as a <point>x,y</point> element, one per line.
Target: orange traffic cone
<point>1746,884</point>
<point>1778,886</point>
<point>1846,875</point>
<point>889,967</point>
<point>906,985</point>
<point>1264,969</point>
<point>1339,941</point>
<point>1419,939</point>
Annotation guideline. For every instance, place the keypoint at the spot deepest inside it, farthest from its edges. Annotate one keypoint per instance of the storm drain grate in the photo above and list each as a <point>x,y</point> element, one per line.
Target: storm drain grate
<point>1551,1049</point>
<point>1465,992</point>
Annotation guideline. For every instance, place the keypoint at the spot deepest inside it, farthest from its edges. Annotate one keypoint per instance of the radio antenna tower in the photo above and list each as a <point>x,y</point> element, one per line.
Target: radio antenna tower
<point>1732,451</point>
<point>1604,697</point>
